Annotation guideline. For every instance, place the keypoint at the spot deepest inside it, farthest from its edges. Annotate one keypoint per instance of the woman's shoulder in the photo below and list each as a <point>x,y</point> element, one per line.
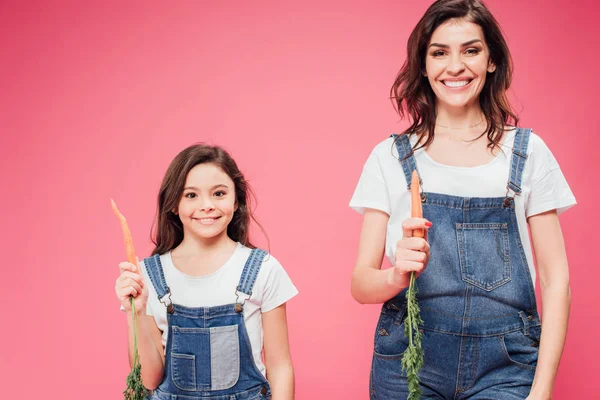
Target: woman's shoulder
<point>535,143</point>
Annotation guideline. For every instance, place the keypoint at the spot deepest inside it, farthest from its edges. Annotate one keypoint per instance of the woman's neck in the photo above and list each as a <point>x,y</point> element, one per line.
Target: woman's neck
<point>460,118</point>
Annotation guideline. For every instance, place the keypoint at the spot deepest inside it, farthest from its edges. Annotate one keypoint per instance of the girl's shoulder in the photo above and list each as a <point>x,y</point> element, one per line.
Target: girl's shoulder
<point>385,148</point>
<point>269,261</point>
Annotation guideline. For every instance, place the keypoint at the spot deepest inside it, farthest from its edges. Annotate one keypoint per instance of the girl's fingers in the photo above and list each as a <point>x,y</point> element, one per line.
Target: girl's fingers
<point>127,266</point>
<point>125,292</point>
<point>124,285</point>
<point>132,275</point>
<point>135,285</point>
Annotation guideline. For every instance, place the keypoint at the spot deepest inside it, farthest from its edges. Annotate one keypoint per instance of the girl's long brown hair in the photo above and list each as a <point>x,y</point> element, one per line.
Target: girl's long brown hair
<point>167,231</point>
<point>411,93</point>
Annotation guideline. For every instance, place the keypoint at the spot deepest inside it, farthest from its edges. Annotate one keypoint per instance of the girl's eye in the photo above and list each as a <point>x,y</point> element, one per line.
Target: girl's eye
<point>220,193</point>
<point>190,195</point>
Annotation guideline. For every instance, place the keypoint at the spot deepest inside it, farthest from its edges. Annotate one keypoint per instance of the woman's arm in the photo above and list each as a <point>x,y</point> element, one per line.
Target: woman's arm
<point>278,361</point>
<point>372,285</point>
<point>553,272</point>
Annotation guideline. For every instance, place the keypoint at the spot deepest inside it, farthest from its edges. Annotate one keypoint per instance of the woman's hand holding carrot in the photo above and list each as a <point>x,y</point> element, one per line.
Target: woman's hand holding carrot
<point>412,252</point>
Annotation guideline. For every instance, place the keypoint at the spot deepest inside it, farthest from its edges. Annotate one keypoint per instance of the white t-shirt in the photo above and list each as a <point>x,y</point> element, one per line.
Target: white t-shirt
<point>382,185</point>
<point>272,288</point>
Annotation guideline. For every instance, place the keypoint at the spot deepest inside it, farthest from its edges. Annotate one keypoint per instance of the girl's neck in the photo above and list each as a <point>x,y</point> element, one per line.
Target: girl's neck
<point>192,245</point>
<point>199,256</point>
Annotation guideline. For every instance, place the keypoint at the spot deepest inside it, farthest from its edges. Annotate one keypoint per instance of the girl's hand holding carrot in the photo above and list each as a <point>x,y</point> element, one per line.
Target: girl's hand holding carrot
<point>131,283</point>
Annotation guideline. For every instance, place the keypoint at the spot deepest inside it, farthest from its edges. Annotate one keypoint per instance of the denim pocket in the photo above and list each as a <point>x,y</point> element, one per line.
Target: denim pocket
<point>484,254</point>
<point>390,341</point>
<point>184,371</point>
<point>205,358</point>
<point>521,350</point>
<point>224,357</point>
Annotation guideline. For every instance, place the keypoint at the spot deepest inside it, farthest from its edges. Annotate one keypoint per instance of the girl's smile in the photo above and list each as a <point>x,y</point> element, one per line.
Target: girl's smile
<point>208,202</point>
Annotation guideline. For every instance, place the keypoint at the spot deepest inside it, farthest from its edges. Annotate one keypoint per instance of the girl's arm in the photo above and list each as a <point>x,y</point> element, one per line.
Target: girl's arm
<point>549,249</point>
<point>370,284</point>
<point>278,362</point>
<point>150,348</point>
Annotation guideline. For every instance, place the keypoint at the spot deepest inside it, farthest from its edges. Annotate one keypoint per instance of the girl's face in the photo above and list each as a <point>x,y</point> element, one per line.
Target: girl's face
<point>457,63</point>
<point>207,203</point>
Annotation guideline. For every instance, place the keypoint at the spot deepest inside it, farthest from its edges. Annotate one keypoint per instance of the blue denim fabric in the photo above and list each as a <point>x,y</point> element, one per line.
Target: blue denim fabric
<point>208,353</point>
<point>481,328</point>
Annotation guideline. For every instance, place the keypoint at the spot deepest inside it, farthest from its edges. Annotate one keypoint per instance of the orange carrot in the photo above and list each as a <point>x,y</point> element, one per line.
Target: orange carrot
<point>413,357</point>
<point>415,200</point>
<point>126,234</point>
<point>135,388</point>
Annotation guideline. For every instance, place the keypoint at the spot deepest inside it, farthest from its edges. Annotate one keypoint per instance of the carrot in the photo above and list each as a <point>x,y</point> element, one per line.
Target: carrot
<point>416,209</point>
<point>130,251</point>
<point>413,357</point>
<point>135,388</point>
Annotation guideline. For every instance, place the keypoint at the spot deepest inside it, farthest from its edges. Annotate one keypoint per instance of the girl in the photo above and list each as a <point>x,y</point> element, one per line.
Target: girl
<point>209,295</point>
<point>484,183</point>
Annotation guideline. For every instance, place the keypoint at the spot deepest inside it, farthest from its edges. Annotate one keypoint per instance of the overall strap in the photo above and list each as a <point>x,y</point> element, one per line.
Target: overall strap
<point>406,157</point>
<point>519,157</point>
<point>157,276</point>
<point>250,272</point>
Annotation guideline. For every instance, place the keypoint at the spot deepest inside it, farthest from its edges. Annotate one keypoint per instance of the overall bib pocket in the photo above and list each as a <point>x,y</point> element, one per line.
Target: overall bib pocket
<point>484,254</point>
<point>205,358</point>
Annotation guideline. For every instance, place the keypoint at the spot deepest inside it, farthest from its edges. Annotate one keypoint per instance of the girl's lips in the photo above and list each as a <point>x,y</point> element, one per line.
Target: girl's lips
<point>207,220</point>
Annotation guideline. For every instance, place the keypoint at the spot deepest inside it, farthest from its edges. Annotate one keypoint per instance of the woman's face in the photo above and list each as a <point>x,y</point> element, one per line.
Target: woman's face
<point>457,62</point>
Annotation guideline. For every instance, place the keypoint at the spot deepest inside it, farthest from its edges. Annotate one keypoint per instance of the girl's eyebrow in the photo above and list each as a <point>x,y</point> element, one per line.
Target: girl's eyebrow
<point>212,188</point>
<point>445,46</point>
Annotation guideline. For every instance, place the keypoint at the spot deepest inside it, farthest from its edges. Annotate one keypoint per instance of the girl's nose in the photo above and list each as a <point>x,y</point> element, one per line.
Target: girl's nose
<point>206,205</point>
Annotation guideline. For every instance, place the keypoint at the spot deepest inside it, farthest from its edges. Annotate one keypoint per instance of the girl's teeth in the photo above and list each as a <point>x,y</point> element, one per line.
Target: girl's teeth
<point>455,83</point>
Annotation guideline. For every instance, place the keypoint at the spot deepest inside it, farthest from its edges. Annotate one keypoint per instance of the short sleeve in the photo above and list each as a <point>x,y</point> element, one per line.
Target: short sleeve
<point>278,287</point>
<point>549,188</point>
<point>371,190</point>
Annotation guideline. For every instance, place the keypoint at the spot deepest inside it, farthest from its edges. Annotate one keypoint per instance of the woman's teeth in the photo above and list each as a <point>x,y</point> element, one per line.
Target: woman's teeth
<point>456,83</point>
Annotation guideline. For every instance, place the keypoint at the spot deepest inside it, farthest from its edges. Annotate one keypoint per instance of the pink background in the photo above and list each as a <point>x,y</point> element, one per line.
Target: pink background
<point>97,98</point>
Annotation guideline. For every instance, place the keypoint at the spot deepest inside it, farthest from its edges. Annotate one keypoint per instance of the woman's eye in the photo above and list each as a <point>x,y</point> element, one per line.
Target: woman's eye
<point>437,53</point>
<point>472,51</point>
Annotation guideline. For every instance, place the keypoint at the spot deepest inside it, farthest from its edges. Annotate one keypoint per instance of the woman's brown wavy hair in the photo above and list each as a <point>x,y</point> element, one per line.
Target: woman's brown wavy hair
<point>411,92</point>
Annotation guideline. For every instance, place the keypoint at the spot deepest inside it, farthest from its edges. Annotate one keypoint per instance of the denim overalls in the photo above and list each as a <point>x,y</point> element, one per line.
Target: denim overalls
<point>208,353</point>
<point>481,328</point>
